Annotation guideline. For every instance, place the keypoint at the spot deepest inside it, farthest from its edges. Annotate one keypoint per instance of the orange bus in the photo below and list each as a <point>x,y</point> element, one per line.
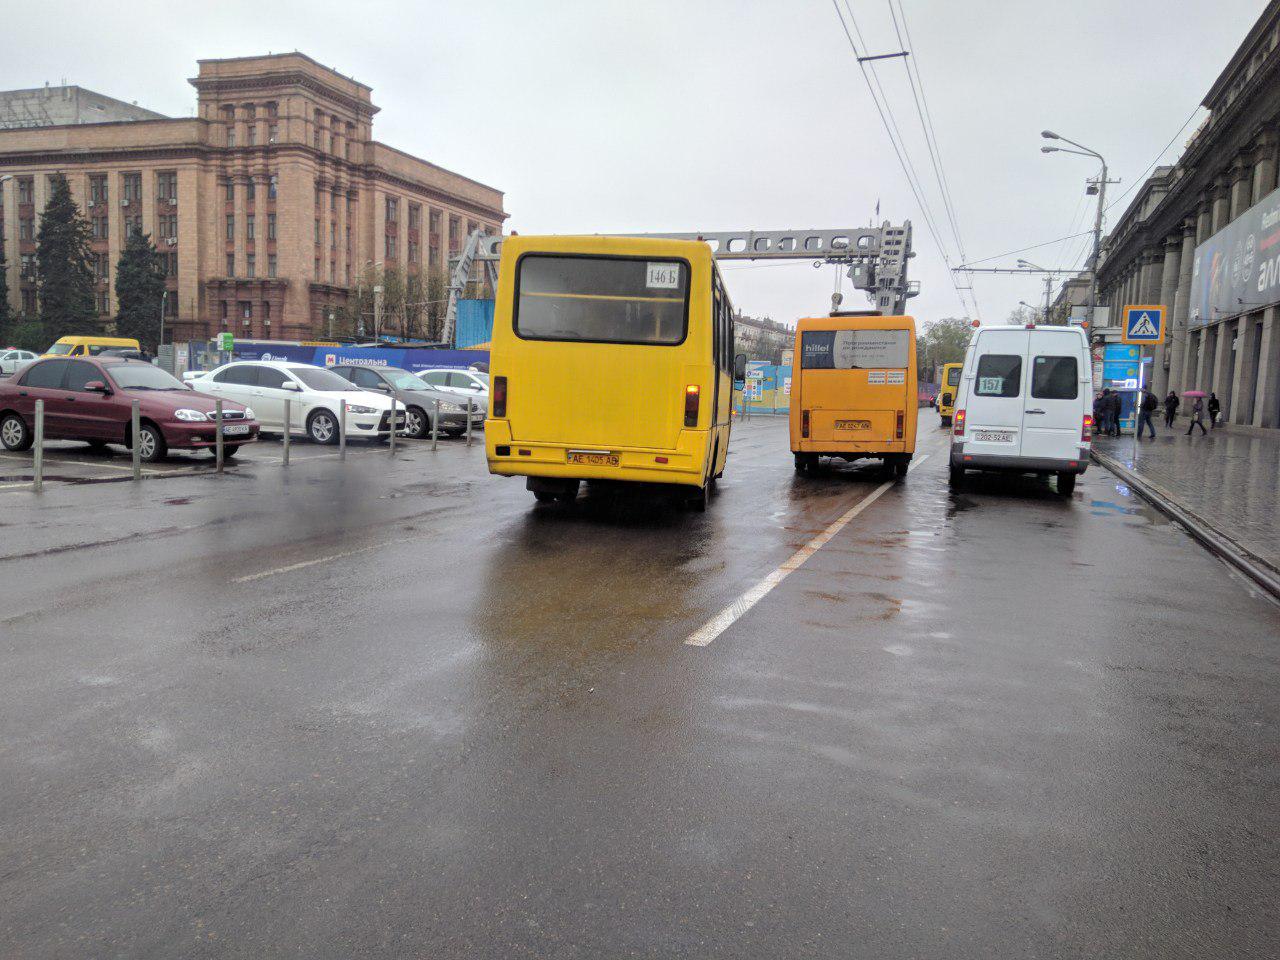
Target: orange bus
<point>853,390</point>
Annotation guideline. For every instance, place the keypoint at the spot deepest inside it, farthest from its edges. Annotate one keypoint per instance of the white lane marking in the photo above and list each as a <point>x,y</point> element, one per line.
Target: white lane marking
<point>726,617</point>
<point>315,561</point>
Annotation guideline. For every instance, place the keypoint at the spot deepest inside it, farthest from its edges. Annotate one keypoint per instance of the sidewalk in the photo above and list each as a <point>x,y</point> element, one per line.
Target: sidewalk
<point>1230,483</point>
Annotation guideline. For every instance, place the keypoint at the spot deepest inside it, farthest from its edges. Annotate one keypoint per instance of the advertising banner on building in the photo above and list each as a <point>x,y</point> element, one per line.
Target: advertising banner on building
<point>1238,269</point>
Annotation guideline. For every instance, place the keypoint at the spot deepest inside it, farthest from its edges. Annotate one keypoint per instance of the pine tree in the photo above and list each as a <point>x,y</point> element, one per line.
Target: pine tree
<point>140,284</point>
<point>64,278</point>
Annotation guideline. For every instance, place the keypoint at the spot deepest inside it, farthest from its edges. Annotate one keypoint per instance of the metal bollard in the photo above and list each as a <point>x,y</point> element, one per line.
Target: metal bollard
<point>342,430</point>
<point>135,427</point>
<point>38,480</point>
<point>392,434</point>
<point>217,439</point>
<point>468,408</point>
<point>435,426</point>
<point>288,427</point>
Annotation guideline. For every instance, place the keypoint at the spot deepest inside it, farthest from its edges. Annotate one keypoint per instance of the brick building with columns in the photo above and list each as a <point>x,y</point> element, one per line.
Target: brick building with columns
<point>1176,221</point>
<point>267,204</point>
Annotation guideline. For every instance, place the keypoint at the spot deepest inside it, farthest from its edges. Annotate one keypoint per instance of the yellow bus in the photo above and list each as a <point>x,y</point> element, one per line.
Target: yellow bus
<point>947,393</point>
<point>612,360</point>
<point>90,346</point>
<point>853,390</point>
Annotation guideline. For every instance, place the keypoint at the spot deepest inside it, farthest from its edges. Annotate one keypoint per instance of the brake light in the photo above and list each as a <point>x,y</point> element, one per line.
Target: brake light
<point>692,395</point>
<point>499,396</point>
<point>1086,430</point>
<point>958,423</point>
<point>804,424</point>
<point>898,428</point>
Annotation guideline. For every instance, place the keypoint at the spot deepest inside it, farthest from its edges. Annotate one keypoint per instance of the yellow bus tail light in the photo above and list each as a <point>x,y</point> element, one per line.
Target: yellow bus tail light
<point>897,430</point>
<point>692,397</point>
<point>804,423</point>
<point>499,396</point>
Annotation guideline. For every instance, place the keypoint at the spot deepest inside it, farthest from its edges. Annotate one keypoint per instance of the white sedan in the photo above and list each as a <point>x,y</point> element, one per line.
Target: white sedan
<point>11,360</point>
<point>316,398</point>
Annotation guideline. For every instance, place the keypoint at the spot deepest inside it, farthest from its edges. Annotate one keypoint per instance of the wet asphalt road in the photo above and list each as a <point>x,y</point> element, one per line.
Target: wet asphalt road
<point>387,708</point>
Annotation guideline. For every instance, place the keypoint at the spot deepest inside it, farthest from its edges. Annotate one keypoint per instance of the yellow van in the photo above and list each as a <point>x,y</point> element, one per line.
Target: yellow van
<point>90,346</point>
<point>612,359</point>
<point>947,395</point>
<point>853,390</point>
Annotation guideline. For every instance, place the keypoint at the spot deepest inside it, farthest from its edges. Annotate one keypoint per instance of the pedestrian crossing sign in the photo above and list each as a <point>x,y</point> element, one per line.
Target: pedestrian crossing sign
<point>1143,324</point>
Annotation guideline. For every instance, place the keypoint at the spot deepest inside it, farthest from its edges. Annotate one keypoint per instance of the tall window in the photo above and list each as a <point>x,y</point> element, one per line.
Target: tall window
<point>317,230</point>
<point>231,190</point>
<point>415,216</point>
<point>133,187</point>
<point>231,264</point>
<point>26,190</point>
<point>251,266</point>
<point>171,265</point>
<point>271,265</point>
<point>271,226</point>
<point>168,226</point>
<point>393,208</point>
<point>231,136</point>
<point>25,228</point>
<point>390,247</point>
<point>231,226</point>
<point>253,134</point>
<point>333,233</point>
<point>98,189</point>
<point>167,185</point>
<point>273,132</point>
<point>250,190</point>
<point>248,227</point>
<point>271,187</point>
<point>413,250</point>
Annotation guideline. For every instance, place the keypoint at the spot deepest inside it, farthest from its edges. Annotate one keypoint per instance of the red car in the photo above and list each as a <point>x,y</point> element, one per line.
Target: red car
<point>91,398</point>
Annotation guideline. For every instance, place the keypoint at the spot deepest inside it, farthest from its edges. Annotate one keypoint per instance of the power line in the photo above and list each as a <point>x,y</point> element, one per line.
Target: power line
<point>1034,246</point>
<point>1151,166</point>
<point>890,127</point>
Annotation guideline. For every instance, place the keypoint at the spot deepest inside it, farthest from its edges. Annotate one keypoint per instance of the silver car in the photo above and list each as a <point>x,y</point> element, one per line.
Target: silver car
<point>418,398</point>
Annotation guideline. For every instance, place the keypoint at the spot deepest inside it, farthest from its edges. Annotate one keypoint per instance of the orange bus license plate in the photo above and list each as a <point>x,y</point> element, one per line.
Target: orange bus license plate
<point>853,424</point>
<point>595,459</point>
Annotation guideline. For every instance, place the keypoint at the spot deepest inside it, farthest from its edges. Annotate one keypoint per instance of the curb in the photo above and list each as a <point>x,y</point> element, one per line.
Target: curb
<point>1218,543</point>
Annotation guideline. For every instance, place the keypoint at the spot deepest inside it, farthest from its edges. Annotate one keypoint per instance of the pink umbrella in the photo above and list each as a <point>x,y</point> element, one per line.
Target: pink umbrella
<point>1193,393</point>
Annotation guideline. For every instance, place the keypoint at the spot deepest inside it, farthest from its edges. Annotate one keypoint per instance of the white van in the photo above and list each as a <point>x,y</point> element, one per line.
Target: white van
<point>1025,403</point>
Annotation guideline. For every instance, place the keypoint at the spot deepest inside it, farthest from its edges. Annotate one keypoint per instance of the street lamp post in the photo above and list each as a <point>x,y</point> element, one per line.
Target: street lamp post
<point>1097,220</point>
<point>1048,284</point>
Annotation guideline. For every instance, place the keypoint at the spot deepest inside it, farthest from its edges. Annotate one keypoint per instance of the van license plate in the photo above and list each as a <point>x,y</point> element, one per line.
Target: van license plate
<point>853,424</point>
<point>994,436</point>
<point>595,459</point>
<point>234,429</point>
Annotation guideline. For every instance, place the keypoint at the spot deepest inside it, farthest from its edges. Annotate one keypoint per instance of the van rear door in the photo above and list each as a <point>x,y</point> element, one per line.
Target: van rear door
<point>993,415</point>
<point>1054,408</point>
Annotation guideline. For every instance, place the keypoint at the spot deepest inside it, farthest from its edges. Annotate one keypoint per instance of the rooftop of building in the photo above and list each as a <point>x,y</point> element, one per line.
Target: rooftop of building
<point>66,105</point>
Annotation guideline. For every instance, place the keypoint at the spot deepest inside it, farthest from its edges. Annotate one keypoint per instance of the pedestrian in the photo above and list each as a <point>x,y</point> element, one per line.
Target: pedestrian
<point>1171,403</point>
<point>1197,417</point>
<point>1214,408</point>
<point>1147,405</point>
<point>1113,408</point>
<point>1104,412</point>
<point>1099,413</point>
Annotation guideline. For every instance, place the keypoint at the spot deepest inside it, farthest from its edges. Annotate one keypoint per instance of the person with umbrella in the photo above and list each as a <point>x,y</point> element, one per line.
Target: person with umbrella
<point>1197,412</point>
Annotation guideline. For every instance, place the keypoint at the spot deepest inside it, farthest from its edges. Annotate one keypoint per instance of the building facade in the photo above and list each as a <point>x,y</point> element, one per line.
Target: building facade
<point>1196,235</point>
<point>268,205</point>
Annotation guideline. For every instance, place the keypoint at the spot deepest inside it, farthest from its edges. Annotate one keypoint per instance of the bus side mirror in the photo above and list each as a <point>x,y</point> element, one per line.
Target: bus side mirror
<point>740,368</point>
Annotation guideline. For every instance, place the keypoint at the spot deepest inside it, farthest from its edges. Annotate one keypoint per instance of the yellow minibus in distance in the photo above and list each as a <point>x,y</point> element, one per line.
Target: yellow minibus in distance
<point>612,360</point>
<point>947,394</point>
<point>853,390</point>
<point>89,346</point>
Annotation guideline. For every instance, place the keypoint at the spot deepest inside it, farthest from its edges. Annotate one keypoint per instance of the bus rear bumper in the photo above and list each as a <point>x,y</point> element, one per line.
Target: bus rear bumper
<point>684,465</point>
<point>841,448</point>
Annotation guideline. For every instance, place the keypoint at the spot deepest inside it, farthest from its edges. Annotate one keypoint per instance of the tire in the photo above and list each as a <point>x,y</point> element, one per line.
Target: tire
<point>322,428</point>
<point>15,434</point>
<point>900,467</point>
<point>1066,483</point>
<point>416,423</point>
<point>544,496</point>
<point>698,501</point>
<point>956,476</point>
<point>946,421</point>
<point>152,442</point>
<point>97,446</point>
<point>801,462</point>
<point>229,450</point>
<point>570,492</point>
<point>453,433</point>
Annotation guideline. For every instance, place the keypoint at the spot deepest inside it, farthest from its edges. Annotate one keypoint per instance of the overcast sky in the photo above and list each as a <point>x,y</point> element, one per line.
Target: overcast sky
<point>680,115</point>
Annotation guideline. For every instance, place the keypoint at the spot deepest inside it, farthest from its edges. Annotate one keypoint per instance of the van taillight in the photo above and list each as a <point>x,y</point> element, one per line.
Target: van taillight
<point>898,429</point>
<point>958,423</point>
<point>1086,431</point>
<point>804,424</point>
<point>499,396</point>
<point>692,394</point>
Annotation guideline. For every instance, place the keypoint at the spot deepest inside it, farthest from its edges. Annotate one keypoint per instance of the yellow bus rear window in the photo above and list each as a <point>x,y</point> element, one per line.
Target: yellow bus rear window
<point>601,299</point>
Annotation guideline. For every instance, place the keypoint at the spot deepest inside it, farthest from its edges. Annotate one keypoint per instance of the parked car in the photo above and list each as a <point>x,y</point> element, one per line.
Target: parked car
<point>1024,403</point>
<point>418,398</point>
<point>89,346</point>
<point>11,360</point>
<point>91,399</point>
<point>464,383</point>
<point>315,396</point>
